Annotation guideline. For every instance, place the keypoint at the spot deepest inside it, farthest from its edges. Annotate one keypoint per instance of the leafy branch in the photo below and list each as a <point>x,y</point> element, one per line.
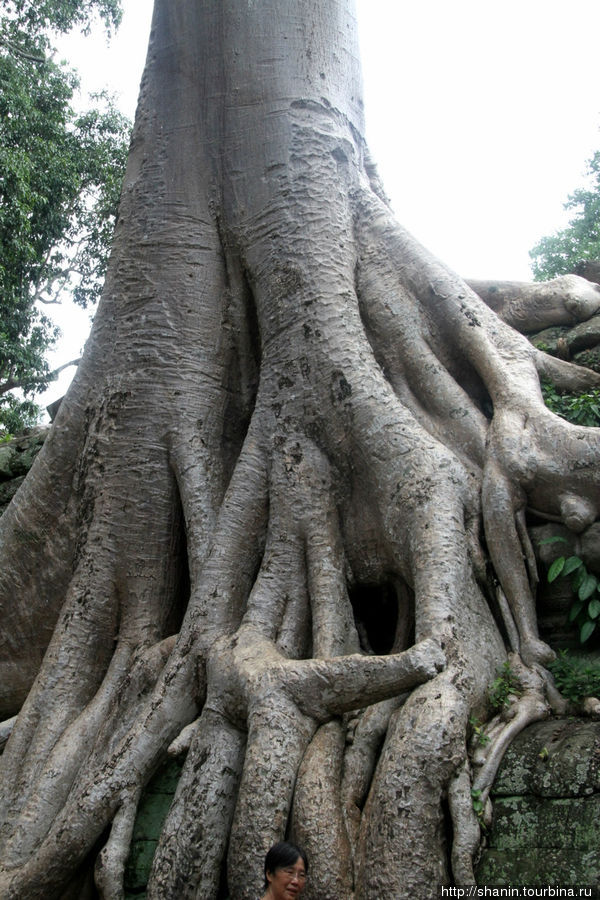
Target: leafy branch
<point>585,607</point>
<point>60,179</point>
<point>581,409</point>
<point>576,678</point>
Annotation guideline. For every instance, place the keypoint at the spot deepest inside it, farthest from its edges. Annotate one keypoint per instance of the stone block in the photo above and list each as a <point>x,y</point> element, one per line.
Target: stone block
<point>584,335</point>
<point>17,455</point>
<point>8,489</point>
<point>545,823</point>
<point>137,869</point>
<point>165,779</point>
<point>569,765</point>
<point>548,339</point>
<point>540,867</point>
<point>152,812</point>
<point>588,358</point>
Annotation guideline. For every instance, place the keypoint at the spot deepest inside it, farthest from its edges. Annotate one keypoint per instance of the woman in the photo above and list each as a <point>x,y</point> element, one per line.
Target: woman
<point>286,867</point>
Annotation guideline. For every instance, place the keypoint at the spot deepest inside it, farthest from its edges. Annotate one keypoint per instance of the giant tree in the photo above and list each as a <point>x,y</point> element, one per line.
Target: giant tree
<point>280,521</point>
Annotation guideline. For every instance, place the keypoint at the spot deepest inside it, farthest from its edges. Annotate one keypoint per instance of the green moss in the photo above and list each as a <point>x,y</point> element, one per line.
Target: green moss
<point>546,798</point>
<point>536,866</point>
<point>152,812</point>
<point>137,870</point>
<point>571,768</point>
<point>571,823</point>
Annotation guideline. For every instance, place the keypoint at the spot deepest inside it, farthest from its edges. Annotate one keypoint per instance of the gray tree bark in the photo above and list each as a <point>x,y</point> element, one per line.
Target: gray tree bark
<point>565,300</point>
<point>289,420</point>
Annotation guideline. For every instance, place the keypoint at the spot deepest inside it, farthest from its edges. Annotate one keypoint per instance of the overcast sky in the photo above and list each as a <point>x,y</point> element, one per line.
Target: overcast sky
<point>480,114</point>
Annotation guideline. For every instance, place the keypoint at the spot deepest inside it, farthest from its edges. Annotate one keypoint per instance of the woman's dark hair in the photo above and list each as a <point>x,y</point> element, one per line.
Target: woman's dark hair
<point>281,855</point>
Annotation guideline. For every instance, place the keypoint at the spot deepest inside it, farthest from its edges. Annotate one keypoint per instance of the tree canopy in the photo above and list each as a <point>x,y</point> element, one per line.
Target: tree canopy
<point>560,253</point>
<point>30,16</point>
<point>59,190</point>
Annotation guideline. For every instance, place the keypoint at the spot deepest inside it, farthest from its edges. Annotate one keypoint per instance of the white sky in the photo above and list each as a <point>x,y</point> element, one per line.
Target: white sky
<point>481,115</point>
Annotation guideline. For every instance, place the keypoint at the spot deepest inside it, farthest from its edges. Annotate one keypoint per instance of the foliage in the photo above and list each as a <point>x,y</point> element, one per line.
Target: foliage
<point>478,806</point>
<point>576,678</point>
<point>505,685</point>
<point>16,414</point>
<point>478,731</point>
<point>560,253</point>
<point>59,187</point>
<point>580,409</point>
<point>585,608</point>
<point>31,16</point>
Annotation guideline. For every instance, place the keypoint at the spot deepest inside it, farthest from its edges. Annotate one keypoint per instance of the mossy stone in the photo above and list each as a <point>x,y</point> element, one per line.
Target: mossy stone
<point>589,358</point>
<point>139,863</point>
<point>152,811</point>
<point>548,339</point>
<point>571,823</point>
<point>569,765</point>
<point>540,867</point>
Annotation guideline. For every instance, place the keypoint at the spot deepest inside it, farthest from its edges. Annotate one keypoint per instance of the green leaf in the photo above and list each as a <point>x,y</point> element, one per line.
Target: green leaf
<point>578,578</point>
<point>575,610</point>
<point>572,563</point>
<point>552,540</point>
<point>587,629</point>
<point>594,608</point>
<point>556,568</point>
<point>477,802</point>
<point>587,587</point>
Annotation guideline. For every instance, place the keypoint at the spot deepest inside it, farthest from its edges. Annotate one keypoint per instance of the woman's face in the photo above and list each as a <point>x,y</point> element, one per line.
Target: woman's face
<point>288,881</point>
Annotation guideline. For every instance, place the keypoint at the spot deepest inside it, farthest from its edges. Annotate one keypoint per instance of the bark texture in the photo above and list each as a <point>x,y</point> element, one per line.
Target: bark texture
<point>565,300</point>
<point>290,536</point>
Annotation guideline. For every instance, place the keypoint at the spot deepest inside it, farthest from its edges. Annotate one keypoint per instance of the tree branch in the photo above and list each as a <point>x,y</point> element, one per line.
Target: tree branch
<point>12,384</point>
<point>22,54</point>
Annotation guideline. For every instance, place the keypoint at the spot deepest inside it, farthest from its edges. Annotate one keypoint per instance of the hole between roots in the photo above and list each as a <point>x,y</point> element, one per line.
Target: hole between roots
<point>384,615</point>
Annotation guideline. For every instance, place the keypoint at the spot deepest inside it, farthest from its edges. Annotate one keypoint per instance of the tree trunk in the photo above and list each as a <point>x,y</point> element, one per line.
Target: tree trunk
<point>289,432</point>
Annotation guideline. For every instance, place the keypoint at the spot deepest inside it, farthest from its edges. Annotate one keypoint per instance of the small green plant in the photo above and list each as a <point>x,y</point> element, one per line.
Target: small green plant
<point>580,409</point>
<point>543,754</point>
<point>477,801</point>
<point>502,687</point>
<point>576,678</point>
<point>585,608</point>
<point>478,807</point>
<point>480,736</point>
